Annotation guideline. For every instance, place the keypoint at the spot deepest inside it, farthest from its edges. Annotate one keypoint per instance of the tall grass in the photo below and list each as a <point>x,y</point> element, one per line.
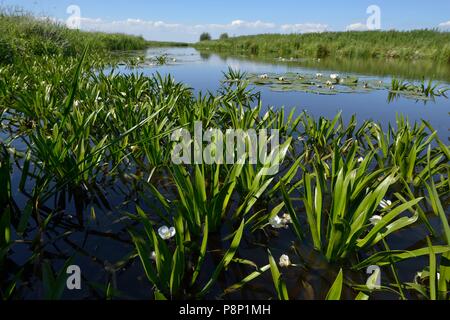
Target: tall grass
<point>24,35</point>
<point>407,45</point>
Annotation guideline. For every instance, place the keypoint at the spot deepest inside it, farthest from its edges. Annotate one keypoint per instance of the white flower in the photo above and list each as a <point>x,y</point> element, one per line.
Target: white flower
<point>360,160</point>
<point>263,76</point>
<point>281,79</point>
<point>319,75</point>
<point>277,223</point>
<point>329,83</point>
<point>153,256</point>
<point>385,203</point>
<point>280,223</point>
<point>334,76</point>
<point>419,276</point>
<point>375,219</point>
<point>166,233</point>
<point>76,103</point>
<point>284,261</point>
<point>286,219</point>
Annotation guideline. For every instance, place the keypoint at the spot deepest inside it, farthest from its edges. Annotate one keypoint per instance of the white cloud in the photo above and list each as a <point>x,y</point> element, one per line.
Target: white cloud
<point>160,30</point>
<point>445,25</point>
<point>357,27</point>
<point>90,21</point>
<point>256,24</point>
<point>236,26</point>
<point>304,27</point>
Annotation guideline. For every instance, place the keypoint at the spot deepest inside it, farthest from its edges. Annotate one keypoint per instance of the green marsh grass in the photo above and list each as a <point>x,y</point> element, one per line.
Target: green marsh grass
<point>425,90</point>
<point>24,35</point>
<point>403,45</point>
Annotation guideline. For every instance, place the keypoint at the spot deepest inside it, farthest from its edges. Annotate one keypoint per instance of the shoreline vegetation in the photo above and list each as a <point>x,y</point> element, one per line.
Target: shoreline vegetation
<point>78,141</point>
<point>400,45</point>
<point>26,36</point>
<point>156,44</point>
<point>404,69</point>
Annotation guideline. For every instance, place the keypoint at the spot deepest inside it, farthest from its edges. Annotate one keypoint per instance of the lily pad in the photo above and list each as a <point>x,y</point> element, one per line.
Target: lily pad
<point>308,83</point>
<point>328,84</point>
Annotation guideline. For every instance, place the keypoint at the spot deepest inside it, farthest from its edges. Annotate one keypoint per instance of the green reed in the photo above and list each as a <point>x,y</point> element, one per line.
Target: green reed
<point>403,45</point>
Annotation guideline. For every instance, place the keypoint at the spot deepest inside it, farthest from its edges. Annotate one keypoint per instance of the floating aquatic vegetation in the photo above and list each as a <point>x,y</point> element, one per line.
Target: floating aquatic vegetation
<point>161,60</point>
<point>424,91</point>
<point>334,84</point>
<point>319,83</point>
<point>134,61</point>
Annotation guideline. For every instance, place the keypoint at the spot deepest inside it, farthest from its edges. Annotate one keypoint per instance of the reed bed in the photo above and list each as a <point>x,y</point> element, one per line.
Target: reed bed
<point>398,45</point>
<point>24,35</point>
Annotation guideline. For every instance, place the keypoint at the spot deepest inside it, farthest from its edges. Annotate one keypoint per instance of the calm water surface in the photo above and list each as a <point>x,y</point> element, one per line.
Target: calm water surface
<point>203,72</point>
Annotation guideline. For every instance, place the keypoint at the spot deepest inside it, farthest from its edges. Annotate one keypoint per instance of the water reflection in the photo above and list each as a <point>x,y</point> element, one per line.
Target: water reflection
<point>204,71</point>
<point>411,70</point>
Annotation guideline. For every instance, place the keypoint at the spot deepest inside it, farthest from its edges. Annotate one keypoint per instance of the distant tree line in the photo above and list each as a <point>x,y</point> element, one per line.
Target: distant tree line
<point>205,36</point>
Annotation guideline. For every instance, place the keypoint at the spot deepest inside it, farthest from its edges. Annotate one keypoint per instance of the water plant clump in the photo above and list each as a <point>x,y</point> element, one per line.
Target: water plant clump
<point>319,84</point>
<point>333,84</point>
<point>425,90</point>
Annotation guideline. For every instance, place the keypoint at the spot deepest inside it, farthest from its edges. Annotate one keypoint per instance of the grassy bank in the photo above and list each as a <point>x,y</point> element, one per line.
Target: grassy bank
<point>25,36</point>
<point>167,44</point>
<point>410,45</point>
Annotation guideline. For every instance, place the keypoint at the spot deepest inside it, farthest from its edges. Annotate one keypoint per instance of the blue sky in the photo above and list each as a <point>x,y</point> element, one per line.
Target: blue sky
<point>184,20</point>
